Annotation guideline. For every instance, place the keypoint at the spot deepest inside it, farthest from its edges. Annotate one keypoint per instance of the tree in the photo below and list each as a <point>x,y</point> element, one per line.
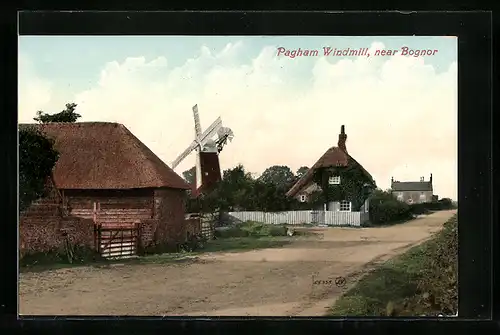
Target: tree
<point>37,158</point>
<point>232,192</point>
<point>66,115</point>
<point>189,175</point>
<point>385,208</point>
<point>279,175</point>
<point>302,171</point>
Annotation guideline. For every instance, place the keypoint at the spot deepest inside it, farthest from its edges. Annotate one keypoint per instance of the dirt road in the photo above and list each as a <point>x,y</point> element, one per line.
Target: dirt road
<point>267,282</point>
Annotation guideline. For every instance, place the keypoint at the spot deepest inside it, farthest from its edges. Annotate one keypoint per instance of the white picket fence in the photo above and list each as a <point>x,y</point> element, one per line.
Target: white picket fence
<point>330,218</point>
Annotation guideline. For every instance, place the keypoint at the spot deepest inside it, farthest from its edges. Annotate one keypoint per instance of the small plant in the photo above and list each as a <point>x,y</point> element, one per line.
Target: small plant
<point>193,243</point>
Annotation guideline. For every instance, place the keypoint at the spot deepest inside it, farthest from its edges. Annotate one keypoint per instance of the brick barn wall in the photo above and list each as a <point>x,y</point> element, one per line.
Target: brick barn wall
<point>169,211</point>
<point>43,229</point>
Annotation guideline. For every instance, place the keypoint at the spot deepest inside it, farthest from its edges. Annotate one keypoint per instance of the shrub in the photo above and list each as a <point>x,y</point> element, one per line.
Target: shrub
<point>252,229</point>
<point>277,231</point>
<point>193,243</point>
<point>418,209</point>
<point>384,208</point>
<point>438,282</point>
<point>78,255</point>
<point>231,232</point>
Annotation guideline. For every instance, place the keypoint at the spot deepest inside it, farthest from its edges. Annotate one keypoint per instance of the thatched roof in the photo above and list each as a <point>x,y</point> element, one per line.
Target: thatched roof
<point>333,157</point>
<point>104,155</point>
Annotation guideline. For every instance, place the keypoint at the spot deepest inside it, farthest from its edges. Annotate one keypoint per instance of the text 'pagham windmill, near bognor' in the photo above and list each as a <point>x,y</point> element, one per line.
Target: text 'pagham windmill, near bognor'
<point>207,145</point>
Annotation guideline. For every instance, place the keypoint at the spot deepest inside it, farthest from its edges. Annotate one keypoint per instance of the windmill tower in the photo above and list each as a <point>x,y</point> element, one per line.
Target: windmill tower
<point>207,145</point>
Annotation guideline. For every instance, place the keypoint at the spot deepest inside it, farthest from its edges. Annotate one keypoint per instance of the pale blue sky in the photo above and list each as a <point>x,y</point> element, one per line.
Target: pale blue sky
<point>72,62</point>
<point>400,112</point>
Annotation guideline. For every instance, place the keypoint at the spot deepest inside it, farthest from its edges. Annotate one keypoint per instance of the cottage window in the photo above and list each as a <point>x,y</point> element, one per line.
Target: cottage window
<point>302,198</point>
<point>422,196</point>
<point>400,196</point>
<point>345,206</point>
<point>334,180</point>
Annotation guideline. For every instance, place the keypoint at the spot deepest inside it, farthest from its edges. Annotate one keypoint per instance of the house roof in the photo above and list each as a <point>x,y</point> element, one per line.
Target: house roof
<point>401,186</point>
<point>333,157</point>
<point>105,155</point>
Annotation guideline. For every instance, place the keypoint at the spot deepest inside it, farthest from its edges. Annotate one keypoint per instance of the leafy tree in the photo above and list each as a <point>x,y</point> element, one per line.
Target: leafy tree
<point>231,193</point>
<point>268,197</point>
<point>66,115</point>
<point>385,208</point>
<point>302,171</point>
<point>279,175</point>
<point>37,158</point>
<point>189,175</point>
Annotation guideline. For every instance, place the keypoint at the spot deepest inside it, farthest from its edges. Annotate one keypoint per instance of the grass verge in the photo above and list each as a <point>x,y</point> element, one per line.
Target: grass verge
<point>422,281</point>
<point>246,236</point>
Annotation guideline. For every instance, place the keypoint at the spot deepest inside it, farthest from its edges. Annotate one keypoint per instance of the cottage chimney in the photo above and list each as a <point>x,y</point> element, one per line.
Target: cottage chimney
<point>392,180</point>
<point>430,179</point>
<point>342,139</point>
<point>421,179</point>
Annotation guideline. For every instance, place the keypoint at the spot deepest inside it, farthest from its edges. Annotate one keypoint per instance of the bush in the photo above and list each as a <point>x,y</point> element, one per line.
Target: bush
<point>193,243</point>
<point>438,283</point>
<point>384,209</point>
<point>231,232</point>
<point>37,158</point>
<point>252,229</point>
<point>419,209</point>
<point>443,204</point>
<point>78,255</point>
<point>277,231</point>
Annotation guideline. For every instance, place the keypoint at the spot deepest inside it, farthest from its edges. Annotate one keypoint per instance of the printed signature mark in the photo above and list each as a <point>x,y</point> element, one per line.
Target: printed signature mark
<point>338,281</point>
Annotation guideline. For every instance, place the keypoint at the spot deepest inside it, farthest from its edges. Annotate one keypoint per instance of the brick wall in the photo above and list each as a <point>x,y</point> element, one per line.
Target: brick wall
<point>147,230</point>
<point>43,229</point>
<point>169,212</point>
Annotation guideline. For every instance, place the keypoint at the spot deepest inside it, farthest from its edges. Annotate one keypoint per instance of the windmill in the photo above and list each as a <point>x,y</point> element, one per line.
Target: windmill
<point>207,146</point>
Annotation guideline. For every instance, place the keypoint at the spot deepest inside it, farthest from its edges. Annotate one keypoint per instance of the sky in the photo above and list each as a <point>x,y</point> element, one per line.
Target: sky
<point>399,110</point>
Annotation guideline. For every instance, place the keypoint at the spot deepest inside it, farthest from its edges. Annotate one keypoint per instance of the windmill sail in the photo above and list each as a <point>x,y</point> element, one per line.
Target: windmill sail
<point>197,123</point>
<point>199,142</point>
<point>207,146</point>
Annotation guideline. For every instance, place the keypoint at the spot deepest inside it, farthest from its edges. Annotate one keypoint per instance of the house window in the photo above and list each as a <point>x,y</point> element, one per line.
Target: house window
<point>334,180</point>
<point>400,196</point>
<point>345,206</point>
<point>302,198</point>
<point>422,196</point>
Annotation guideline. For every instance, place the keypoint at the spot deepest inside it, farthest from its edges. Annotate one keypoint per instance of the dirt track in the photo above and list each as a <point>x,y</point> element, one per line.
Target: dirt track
<point>266,282</point>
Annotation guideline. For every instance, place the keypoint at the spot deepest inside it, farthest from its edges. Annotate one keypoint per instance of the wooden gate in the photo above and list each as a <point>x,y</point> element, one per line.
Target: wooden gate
<point>117,242</point>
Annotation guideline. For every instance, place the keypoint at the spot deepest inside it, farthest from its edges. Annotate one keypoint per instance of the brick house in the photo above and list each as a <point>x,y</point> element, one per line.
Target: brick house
<point>106,174</point>
<point>413,192</point>
<point>331,166</point>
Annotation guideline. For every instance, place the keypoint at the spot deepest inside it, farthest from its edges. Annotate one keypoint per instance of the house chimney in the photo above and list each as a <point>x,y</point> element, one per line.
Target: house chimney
<point>392,180</point>
<point>421,179</point>
<point>342,139</point>
<point>430,179</point>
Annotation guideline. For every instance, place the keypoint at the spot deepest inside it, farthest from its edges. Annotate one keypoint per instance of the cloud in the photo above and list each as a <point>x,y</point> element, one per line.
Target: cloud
<point>34,93</point>
<point>399,113</point>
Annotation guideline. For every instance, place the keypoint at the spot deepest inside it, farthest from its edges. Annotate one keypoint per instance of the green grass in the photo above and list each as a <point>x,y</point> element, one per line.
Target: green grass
<point>245,243</point>
<point>252,229</point>
<point>248,236</point>
<point>405,285</point>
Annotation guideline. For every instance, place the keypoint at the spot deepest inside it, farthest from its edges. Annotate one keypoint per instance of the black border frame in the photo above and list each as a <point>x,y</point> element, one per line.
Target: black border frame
<point>475,146</point>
